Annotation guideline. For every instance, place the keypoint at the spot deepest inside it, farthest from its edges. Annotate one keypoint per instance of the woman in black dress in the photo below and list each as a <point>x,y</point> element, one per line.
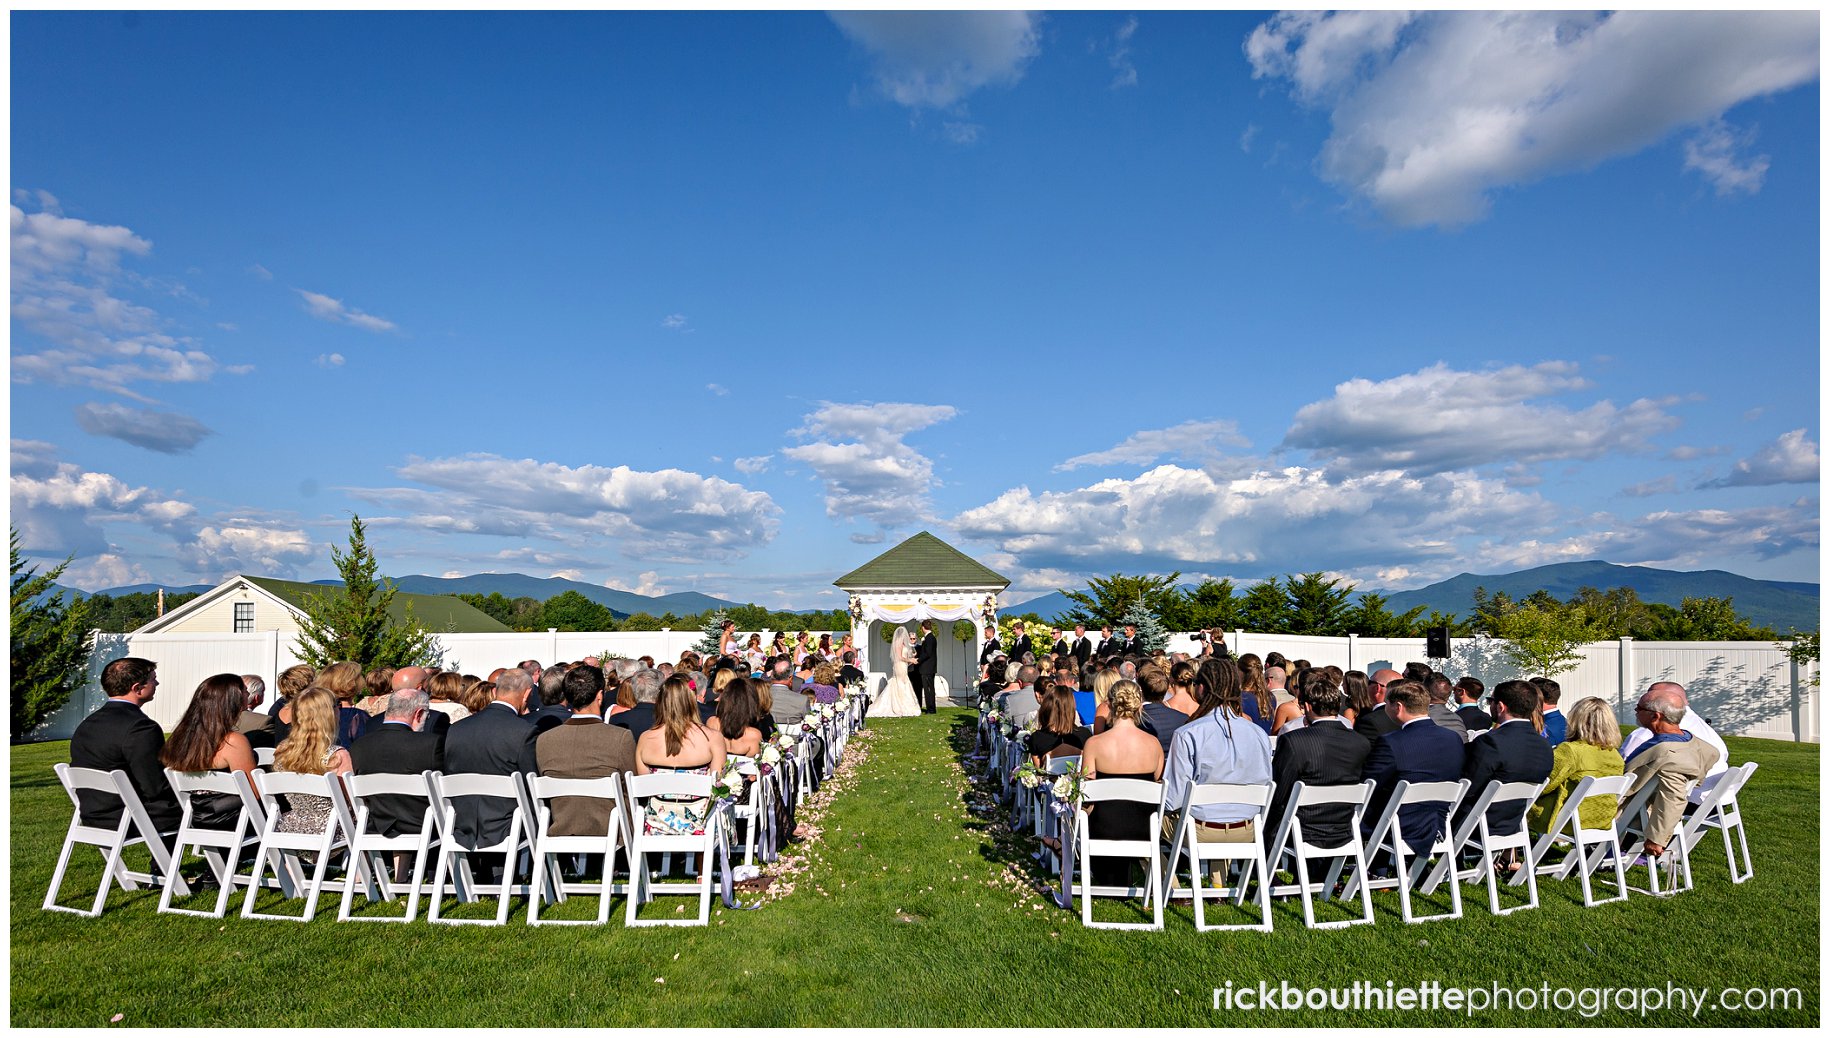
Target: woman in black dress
<point>1060,734</point>
<point>1123,750</point>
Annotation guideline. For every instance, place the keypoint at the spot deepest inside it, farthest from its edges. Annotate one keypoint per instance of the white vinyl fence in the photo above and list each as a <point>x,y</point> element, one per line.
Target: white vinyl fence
<point>1742,688</point>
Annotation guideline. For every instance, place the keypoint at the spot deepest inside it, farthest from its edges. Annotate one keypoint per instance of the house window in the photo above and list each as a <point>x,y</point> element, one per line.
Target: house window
<point>244,618</point>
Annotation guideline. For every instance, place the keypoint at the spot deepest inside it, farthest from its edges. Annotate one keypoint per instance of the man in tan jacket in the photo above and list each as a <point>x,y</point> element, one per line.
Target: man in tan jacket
<point>1672,758</point>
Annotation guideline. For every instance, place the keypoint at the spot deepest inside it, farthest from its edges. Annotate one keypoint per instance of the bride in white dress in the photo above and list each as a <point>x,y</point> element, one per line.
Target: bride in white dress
<point>898,697</point>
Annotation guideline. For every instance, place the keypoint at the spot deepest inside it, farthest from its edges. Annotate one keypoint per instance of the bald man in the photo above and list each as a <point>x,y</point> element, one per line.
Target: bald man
<point>1667,758</point>
<point>1692,722</point>
<point>1378,721</point>
<point>408,679</point>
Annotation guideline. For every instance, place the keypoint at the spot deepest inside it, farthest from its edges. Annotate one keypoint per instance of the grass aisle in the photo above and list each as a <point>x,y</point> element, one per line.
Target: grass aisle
<point>907,912</point>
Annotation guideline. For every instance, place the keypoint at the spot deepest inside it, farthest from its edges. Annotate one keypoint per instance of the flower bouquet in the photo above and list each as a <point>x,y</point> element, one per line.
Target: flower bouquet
<point>728,789</point>
<point>1067,788</point>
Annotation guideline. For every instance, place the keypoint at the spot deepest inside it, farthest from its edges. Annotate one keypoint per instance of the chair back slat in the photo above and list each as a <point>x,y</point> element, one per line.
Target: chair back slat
<point>1249,795</point>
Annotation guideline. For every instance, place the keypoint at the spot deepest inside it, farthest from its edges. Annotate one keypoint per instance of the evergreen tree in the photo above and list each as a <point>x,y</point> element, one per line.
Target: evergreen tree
<point>1265,608</point>
<point>1316,605</point>
<point>712,630</point>
<point>1107,599</point>
<point>1151,634</point>
<point>1211,604</point>
<point>356,625</point>
<point>571,611</point>
<point>50,648</point>
<point>1371,619</point>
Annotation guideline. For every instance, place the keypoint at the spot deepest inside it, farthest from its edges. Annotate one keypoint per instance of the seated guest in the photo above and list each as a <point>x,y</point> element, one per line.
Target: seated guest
<point>1693,723</point>
<point>645,689</point>
<point>765,704</point>
<point>344,680</point>
<point>1123,750</point>
<point>1255,694</point>
<point>1021,704</point>
<point>252,721</point>
<point>822,683</point>
<point>399,746</point>
<point>1323,752</point>
<point>996,677</point>
<point>677,742</point>
<point>1468,693</point>
<point>1219,744</point>
<point>1672,759</point>
<point>446,689</point>
<point>1090,705</point>
<point>618,693</point>
<point>1592,749</point>
<point>1440,711</point>
<point>496,740</point>
<point>377,685</point>
<point>1509,752</point>
<point>1060,734</point>
<point>118,734</point>
<point>1555,724</point>
<point>583,747</point>
<point>1289,713</point>
<point>292,681</point>
<point>1158,718</point>
<point>1357,687</point>
<point>1181,696</point>
<point>1417,751</point>
<point>1378,719</point>
<point>478,695</point>
<point>787,706</point>
<point>735,718</point>
<point>206,740</point>
<point>849,674</point>
<point>311,749</point>
<point>554,712</point>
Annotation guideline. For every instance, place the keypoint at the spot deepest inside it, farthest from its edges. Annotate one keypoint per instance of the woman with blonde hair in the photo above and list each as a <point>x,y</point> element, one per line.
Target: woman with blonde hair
<point>477,695</point>
<point>1099,715</point>
<point>311,749</point>
<point>1591,748</point>
<point>1123,750</point>
<point>344,681</point>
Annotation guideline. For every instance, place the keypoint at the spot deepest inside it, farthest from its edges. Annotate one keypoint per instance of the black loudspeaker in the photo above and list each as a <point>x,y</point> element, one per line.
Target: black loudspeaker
<point>1438,638</point>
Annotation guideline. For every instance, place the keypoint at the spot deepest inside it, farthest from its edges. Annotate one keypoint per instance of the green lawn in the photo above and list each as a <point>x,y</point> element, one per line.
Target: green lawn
<point>911,911</point>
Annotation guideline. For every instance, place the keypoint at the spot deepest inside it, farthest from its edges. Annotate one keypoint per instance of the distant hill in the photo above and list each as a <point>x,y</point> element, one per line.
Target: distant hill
<point>1773,603</point>
<point>1047,607</point>
<point>136,589</point>
<point>520,585</point>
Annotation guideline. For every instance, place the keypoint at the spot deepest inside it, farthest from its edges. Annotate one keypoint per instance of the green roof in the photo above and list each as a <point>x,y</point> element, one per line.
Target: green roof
<point>923,561</point>
<point>440,614</point>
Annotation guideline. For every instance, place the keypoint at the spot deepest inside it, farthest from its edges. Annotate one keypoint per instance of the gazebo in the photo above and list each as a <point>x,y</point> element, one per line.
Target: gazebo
<point>924,578</point>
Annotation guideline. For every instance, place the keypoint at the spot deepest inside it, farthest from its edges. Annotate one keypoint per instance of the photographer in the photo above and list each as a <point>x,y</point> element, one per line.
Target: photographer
<point>1213,644</point>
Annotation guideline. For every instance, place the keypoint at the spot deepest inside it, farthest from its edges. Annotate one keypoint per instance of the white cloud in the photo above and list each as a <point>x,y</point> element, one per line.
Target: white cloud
<point>233,546</point>
<point>674,322</point>
<point>961,132</point>
<point>717,390</point>
<point>104,571</point>
<point>646,583</point>
<point>934,59</point>
<point>1439,419</point>
<point>1271,521</point>
<point>1790,459</point>
<point>1668,538</point>
<point>1433,112</point>
<point>1189,440</point>
<point>872,475</point>
<point>1652,487</point>
<point>64,292</point>
<point>1246,137</point>
<point>162,431</point>
<point>324,308</point>
<point>330,360</point>
<point>751,466</point>
<point>261,272</point>
<point>1714,152</point>
<point>1124,73</point>
<point>668,515</point>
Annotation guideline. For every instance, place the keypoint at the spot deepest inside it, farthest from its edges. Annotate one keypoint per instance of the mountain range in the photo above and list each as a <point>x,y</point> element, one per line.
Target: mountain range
<point>1780,604</point>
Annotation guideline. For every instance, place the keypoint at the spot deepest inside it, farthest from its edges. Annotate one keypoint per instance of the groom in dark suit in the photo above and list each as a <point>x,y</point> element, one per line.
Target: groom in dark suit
<point>926,663</point>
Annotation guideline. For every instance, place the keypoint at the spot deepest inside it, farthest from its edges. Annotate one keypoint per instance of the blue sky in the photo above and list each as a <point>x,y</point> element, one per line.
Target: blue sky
<point>732,302</point>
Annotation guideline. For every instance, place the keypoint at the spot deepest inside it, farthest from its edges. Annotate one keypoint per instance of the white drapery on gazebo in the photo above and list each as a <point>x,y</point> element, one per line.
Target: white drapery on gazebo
<point>924,578</point>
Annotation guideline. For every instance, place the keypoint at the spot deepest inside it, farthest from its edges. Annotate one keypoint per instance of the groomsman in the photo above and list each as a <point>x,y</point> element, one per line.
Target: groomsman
<point>1109,645</point>
<point>1019,643</point>
<point>1083,646</point>
<point>991,645</point>
<point>1062,648</point>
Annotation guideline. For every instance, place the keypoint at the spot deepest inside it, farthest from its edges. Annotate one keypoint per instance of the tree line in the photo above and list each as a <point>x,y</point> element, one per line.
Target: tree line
<point>572,611</point>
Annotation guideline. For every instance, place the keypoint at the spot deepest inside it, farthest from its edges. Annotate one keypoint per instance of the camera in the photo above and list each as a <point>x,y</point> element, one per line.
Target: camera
<point>1199,636</point>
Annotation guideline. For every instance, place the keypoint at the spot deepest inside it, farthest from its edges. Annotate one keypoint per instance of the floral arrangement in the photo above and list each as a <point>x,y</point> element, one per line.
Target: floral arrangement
<point>1067,789</point>
<point>1029,775</point>
<point>729,787</point>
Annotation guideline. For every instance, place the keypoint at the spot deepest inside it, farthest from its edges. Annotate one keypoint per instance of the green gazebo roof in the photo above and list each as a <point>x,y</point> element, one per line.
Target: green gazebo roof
<point>437,613</point>
<point>923,561</point>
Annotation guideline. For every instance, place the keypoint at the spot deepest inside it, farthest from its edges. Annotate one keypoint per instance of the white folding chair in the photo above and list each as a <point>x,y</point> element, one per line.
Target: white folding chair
<point>1086,848</point>
<point>1631,828</point>
<point>1245,856</point>
<point>1727,817</point>
<point>1567,828</point>
<point>111,842</point>
<point>283,850</point>
<point>547,882</point>
<point>1047,820</point>
<point>263,756</point>
<point>379,850</point>
<point>642,886</point>
<point>221,849</point>
<point>1291,840</point>
<point>1474,836</point>
<point>1408,864</point>
<point>751,817</point>
<point>454,859</point>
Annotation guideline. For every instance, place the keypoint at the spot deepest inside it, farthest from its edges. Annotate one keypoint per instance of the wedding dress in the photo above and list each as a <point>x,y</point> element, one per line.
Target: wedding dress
<point>898,697</point>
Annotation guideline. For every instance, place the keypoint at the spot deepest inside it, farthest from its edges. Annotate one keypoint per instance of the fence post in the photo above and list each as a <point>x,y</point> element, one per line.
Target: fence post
<point>1798,713</point>
<point>1627,679</point>
<point>273,639</point>
<point>1353,651</point>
